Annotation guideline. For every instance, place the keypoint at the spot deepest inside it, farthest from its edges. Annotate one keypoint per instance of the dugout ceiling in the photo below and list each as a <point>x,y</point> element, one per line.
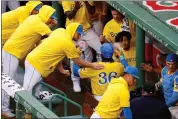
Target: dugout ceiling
<point>158,18</point>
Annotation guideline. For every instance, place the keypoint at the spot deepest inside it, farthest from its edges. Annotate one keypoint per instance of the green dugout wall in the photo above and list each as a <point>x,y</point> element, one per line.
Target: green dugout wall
<point>158,18</point>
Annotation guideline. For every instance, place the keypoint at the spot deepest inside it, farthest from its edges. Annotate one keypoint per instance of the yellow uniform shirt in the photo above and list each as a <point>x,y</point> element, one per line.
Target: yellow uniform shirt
<point>52,50</point>
<point>114,99</point>
<point>12,19</point>
<point>80,16</point>
<point>111,29</point>
<point>101,78</point>
<point>29,33</point>
<point>130,56</point>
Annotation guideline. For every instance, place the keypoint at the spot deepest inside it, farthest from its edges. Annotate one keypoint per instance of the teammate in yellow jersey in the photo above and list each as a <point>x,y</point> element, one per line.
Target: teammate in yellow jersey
<point>113,27</point>
<point>22,41</point>
<point>12,19</point>
<point>44,59</point>
<point>117,97</point>
<point>76,11</point>
<point>128,51</point>
<point>101,78</point>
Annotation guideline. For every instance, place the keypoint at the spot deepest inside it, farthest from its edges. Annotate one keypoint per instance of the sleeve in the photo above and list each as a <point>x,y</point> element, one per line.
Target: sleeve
<point>67,6</point>
<point>71,51</point>
<point>123,61</point>
<point>173,100</point>
<point>124,98</point>
<point>87,73</point>
<point>42,29</point>
<point>75,70</point>
<point>127,112</point>
<point>176,84</point>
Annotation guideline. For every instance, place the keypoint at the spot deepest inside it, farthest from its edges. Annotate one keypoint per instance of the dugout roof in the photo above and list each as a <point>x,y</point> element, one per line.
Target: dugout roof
<point>158,18</point>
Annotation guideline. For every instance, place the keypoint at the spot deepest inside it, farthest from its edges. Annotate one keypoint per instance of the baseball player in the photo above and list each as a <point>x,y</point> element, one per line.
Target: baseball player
<point>22,41</point>
<point>43,60</point>
<point>101,78</point>
<point>113,27</point>
<point>12,19</point>
<point>76,11</point>
<point>128,52</point>
<point>169,82</point>
<point>117,97</point>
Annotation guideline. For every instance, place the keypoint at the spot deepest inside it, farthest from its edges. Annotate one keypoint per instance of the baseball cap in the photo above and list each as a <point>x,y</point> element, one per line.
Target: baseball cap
<point>132,71</point>
<point>107,50</point>
<point>149,87</point>
<point>53,16</point>
<point>172,58</point>
<point>38,7</point>
<point>80,29</point>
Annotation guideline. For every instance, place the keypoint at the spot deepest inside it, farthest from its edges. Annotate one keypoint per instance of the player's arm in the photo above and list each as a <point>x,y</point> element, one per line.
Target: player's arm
<point>127,112</point>
<point>90,8</point>
<point>71,14</point>
<point>174,98</point>
<point>83,72</point>
<point>83,63</point>
<point>62,70</point>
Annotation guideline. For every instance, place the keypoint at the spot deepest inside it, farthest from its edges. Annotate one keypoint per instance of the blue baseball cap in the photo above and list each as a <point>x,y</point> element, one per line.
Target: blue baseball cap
<point>107,50</point>
<point>38,7</point>
<point>53,16</point>
<point>172,58</point>
<point>132,71</point>
<point>80,29</point>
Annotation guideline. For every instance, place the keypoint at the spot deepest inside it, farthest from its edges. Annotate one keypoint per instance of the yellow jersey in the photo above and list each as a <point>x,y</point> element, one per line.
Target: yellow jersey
<point>114,99</point>
<point>29,33</point>
<point>130,56</point>
<point>12,19</point>
<point>53,49</point>
<point>81,16</point>
<point>101,78</point>
<point>111,29</point>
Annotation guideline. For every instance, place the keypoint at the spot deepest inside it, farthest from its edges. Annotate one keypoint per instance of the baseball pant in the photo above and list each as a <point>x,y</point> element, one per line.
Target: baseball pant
<point>95,116</point>
<point>11,4</point>
<point>98,27</point>
<point>9,66</point>
<point>31,78</point>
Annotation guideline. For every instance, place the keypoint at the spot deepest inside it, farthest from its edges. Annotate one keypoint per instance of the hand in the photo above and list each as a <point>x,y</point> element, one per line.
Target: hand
<point>117,53</point>
<point>66,72</point>
<point>77,5</point>
<point>146,67</point>
<point>53,23</point>
<point>102,39</point>
<point>97,66</point>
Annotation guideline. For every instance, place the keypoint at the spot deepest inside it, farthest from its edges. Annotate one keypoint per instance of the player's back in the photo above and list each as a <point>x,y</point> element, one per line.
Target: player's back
<point>101,78</point>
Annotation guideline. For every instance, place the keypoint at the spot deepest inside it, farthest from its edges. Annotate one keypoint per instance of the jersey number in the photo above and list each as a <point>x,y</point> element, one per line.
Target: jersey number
<point>104,79</point>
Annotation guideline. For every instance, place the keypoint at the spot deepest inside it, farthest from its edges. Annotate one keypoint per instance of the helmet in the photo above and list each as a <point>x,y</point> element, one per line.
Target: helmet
<point>107,50</point>
<point>172,58</point>
<point>132,71</point>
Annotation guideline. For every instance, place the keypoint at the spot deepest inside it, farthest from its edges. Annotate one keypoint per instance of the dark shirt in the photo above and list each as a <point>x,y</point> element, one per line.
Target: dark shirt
<point>149,107</point>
